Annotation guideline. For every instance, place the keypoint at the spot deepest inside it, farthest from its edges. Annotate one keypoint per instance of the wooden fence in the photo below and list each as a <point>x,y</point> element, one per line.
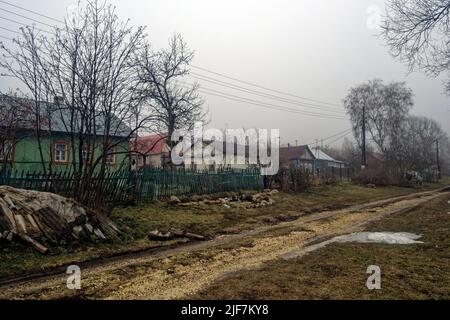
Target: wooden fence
<point>123,186</point>
<point>114,186</point>
<point>152,184</point>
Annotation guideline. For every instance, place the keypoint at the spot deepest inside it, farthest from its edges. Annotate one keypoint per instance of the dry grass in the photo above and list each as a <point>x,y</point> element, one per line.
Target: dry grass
<point>338,271</point>
<point>210,220</point>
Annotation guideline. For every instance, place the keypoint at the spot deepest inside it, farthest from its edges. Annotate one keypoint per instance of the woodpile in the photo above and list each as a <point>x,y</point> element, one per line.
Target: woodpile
<point>39,218</point>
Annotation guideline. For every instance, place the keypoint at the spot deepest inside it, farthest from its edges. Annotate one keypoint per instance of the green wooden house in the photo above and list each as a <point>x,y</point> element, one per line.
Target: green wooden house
<point>20,149</point>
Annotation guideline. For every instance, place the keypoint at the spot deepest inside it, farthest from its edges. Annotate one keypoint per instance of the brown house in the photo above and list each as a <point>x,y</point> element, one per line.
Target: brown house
<point>300,156</point>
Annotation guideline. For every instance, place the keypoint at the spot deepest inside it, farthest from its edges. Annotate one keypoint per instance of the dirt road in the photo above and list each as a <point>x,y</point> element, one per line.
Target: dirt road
<point>180,272</point>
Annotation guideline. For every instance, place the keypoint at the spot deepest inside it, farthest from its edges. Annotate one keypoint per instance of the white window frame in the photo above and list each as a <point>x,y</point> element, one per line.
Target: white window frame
<point>55,152</point>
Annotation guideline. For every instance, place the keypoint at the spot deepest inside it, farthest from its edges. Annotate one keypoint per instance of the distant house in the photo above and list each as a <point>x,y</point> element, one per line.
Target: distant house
<point>313,159</point>
<point>150,151</point>
<point>299,156</point>
<point>322,161</point>
<point>153,152</point>
<point>21,150</point>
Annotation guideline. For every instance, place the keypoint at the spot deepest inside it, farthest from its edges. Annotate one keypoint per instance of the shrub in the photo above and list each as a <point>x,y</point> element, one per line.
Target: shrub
<point>290,179</point>
<point>378,176</point>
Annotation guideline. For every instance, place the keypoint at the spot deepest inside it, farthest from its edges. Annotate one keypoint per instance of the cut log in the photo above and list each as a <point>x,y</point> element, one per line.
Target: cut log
<point>11,205</point>
<point>185,234</point>
<point>172,234</point>
<point>8,215</point>
<point>20,222</point>
<point>39,247</point>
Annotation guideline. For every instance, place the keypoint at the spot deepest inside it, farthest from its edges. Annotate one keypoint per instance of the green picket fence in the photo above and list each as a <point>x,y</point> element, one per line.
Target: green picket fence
<point>113,185</point>
<point>152,184</point>
<point>122,186</point>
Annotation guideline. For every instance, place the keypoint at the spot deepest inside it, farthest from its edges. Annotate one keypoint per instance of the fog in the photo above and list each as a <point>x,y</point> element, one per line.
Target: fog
<point>316,49</point>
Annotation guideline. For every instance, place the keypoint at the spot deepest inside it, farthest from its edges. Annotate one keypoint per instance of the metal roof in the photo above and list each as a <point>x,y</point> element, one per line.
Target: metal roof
<point>60,116</point>
<point>320,155</point>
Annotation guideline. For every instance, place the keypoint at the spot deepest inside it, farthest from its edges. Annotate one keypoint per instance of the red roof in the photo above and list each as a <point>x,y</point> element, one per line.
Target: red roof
<point>154,144</point>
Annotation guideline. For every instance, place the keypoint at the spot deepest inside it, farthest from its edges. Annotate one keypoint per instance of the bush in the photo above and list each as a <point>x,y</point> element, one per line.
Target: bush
<point>378,176</point>
<point>290,179</point>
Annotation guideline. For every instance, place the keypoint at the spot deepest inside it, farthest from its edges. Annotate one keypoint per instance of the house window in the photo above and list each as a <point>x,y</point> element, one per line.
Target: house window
<point>111,157</point>
<point>6,151</point>
<point>61,153</point>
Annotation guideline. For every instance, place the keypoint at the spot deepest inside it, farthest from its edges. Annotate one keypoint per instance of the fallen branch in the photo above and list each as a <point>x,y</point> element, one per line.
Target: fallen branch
<point>157,235</point>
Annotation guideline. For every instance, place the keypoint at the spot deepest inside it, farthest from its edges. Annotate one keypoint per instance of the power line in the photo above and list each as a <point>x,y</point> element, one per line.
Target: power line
<point>265,88</point>
<point>226,95</point>
<point>262,94</point>
<point>6,38</point>
<point>25,25</point>
<point>31,19</point>
<point>277,106</point>
<point>347,131</point>
<point>10,30</point>
<point>31,11</point>
<point>273,105</point>
<point>265,105</point>
<point>336,140</point>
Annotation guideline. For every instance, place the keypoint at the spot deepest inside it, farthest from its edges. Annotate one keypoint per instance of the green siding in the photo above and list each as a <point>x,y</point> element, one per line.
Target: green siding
<point>27,156</point>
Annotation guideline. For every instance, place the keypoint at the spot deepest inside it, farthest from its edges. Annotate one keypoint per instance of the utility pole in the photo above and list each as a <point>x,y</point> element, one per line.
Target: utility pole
<point>363,157</point>
<point>438,164</point>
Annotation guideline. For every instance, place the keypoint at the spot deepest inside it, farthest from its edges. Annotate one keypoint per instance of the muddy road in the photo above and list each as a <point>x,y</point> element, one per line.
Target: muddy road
<point>176,273</point>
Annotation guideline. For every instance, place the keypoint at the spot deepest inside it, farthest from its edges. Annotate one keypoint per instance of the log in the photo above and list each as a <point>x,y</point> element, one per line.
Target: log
<point>185,234</point>
<point>11,205</point>
<point>172,234</point>
<point>39,247</point>
<point>20,221</point>
<point>8,215</point>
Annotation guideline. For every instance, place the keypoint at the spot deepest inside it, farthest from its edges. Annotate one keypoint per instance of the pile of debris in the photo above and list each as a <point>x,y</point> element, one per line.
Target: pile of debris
<point>245,200</point>
<point>157,235</point>
<point>39,217</point>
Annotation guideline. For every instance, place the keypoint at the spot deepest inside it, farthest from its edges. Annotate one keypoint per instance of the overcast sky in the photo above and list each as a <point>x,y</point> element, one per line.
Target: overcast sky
<point>316,49</point>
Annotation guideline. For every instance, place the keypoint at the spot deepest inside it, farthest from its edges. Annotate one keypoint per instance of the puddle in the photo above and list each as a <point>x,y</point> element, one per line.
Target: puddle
<point>380,237</point>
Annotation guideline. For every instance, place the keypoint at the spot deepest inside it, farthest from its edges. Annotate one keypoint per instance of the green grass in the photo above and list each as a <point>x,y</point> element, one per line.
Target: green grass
<point>338,271</point>
<point>209,220</point>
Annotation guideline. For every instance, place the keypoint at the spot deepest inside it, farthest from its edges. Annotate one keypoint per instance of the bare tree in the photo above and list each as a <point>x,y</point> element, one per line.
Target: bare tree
<point>175,105</point>
<point>15,125</point>
<point>385,108</point>
<point>27,63</point>
<point>416,150</point>
<point>417,31</point>
<point>88,66</point>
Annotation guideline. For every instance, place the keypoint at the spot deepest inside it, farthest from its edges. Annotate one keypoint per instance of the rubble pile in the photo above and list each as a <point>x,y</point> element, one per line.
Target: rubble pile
<point>244,200</point>
<point>39,218</point>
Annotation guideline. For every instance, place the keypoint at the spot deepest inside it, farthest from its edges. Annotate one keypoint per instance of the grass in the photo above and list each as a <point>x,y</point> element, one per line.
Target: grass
<point>208,220</point>
<point>338,271</point>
